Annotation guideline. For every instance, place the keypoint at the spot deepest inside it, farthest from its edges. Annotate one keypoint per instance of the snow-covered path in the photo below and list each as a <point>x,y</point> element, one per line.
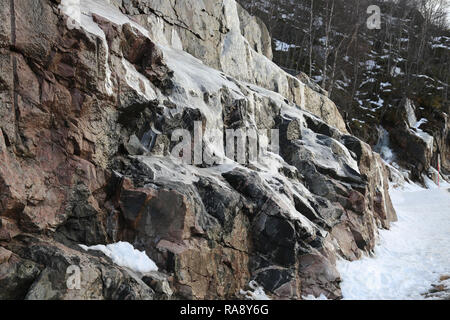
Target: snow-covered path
<point>411,256</point>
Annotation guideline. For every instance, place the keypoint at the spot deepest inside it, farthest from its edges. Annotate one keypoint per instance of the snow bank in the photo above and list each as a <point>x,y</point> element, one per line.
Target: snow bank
<point>412,255</point>
<point>311,297</point>
<point>257,293</point>
<point>123,254</point>
<point>383,146</point>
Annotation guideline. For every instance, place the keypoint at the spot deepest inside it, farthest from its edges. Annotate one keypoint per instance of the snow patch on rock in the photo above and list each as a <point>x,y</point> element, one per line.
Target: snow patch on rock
<point>256,292</point>
<point>125,255</point>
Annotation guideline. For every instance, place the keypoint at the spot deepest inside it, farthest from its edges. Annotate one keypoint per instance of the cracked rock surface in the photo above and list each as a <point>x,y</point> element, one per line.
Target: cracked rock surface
<point>87,119</point>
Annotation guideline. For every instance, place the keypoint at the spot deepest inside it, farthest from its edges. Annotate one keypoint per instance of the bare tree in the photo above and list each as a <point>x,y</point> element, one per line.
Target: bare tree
<point>328,25</point>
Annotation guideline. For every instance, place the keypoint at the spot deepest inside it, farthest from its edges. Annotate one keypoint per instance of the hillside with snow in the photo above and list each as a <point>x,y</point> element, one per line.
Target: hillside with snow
<point>162,150</point>
<point>372,74</point>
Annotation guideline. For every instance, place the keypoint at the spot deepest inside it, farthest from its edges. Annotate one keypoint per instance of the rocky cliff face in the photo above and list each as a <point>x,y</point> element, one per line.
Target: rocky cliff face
<point>89,110</point>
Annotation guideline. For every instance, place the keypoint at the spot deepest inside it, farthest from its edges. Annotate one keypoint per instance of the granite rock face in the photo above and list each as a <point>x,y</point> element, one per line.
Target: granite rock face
<point>89,116</point>
<point>418,139</point>
<point>225,37</point>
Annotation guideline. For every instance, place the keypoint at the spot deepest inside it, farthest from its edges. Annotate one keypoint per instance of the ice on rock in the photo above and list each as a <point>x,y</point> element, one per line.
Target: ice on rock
<point>257,293</point>
<point>137,81</point>
<point>383,145</point>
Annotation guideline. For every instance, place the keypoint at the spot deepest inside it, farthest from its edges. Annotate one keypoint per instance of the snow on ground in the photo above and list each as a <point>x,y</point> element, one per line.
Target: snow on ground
<point>256,292</point>
<point>411,256</point>
<point>311,297</point>
<point>125,255</point>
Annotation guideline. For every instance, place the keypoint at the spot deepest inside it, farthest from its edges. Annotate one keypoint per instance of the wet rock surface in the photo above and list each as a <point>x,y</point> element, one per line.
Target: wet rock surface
<point>88,116</point>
